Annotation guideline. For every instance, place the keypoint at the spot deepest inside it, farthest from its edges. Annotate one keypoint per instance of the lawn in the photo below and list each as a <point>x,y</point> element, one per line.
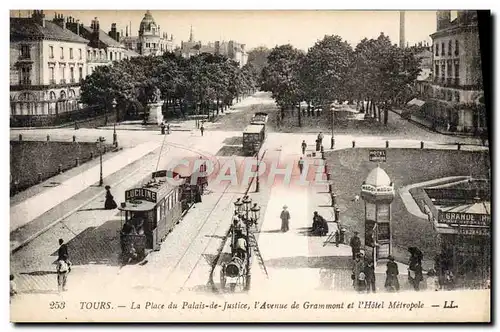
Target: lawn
<point>28,158</point>
<point>350,167</point>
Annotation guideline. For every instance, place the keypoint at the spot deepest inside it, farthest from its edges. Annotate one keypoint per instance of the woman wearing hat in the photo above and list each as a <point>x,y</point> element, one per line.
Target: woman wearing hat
<point>285,218</point>
<point>392,272</point>
<point>110,203</point>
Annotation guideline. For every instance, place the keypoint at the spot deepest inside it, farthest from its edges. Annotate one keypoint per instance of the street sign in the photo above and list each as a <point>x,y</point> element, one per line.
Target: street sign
<point>378,155</point>
<point>474,231</point>
<point>462,218</point>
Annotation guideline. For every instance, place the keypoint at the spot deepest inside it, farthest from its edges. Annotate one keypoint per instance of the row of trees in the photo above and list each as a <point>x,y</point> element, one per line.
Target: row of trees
<point>375,71</point>
<point>203,82</point>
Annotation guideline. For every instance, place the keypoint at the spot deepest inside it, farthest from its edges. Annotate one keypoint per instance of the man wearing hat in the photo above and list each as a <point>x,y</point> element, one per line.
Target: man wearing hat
<point>285,218</point>
<point>355,244</point>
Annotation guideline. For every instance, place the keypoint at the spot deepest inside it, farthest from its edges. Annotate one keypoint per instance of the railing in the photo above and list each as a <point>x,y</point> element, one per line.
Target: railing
<point>63,81</point>
<point>55,119</point>
<point>52,81</point>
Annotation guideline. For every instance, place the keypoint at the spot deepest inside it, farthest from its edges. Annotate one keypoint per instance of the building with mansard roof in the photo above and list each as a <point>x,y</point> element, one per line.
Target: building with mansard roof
<point>47,62</point>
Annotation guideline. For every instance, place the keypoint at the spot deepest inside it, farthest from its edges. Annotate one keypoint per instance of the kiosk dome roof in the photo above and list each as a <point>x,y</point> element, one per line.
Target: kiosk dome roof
<point>378,177</point>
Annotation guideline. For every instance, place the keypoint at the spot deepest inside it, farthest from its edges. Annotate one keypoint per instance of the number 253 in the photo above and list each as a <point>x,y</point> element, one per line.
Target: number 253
<point>57,305</point>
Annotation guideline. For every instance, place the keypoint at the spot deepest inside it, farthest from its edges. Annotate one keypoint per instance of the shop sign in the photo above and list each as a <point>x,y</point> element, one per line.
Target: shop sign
<point>462,218</point>
<point>378,155</point>
<point>140,193</point>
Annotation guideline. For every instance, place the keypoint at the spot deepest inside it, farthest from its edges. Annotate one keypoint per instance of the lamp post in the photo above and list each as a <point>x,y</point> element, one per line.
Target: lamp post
<point>247,201</point>
<point>332,140</point>
<point>255,210</point>
<point>100,140</point>
<point>115,138</point>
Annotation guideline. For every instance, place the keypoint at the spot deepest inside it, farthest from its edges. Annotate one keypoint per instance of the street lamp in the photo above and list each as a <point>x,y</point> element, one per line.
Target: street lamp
<point>115,138</point>
<point>332,140</point>
<point>237,206</point>
<point>100,140</point>
<point>255,210</point>
<point>247,201</point>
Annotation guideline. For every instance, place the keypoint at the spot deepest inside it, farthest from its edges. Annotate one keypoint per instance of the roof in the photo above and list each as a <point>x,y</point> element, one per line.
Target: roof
<point>28,28</point>
<point>104,38</point>
<point>252,129</point>
<point>378,178</point>
<point>479,208</point>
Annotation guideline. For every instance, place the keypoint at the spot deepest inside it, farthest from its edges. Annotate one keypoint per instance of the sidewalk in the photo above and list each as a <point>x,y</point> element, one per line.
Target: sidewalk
<point>26,211</point>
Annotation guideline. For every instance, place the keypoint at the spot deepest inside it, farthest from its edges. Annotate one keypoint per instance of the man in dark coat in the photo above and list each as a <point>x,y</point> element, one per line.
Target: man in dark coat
<point>355,244</point>
<point>304,147</point>
<point>319,226</point>
<point>285,219</point>
<point>370,275</point>
<point>63,250</point>
<point>392,272</point>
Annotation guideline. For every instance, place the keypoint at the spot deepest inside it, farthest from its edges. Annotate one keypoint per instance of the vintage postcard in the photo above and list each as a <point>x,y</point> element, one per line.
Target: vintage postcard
<point>227,166</point>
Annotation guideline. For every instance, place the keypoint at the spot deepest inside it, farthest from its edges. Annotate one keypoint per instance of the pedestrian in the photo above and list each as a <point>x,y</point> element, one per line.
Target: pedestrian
<point>304,147</point>
<point>63,250</point>
<point>391,279</point>
<point>415,267</point>
<point>13,288</point>
<point>355,244</point>
<point>358,267</point>
<point>202,129</point>
<point>301,165</point>
<point>320,137</point>
<point>370,275</point>
<point>109,203</point>
<point>319,225</point>
<point>285,219</point>
<point>432,281</point>
<point>168,128</point>
<point>63,269</point>
<point>162,126</point>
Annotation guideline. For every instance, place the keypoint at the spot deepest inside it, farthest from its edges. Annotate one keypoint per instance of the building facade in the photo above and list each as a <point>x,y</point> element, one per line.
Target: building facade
<point>47,63</point>
<point>231,49</point>
<point>457,72</point>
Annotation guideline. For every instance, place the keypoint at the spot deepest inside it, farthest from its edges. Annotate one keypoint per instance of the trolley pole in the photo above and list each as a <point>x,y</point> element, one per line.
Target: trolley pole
<point>257,183</point>
<point>249,250</point>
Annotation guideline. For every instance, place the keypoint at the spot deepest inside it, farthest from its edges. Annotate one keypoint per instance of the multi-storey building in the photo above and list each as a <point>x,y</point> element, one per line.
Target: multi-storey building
<point>231,49</point>
<point>150,41</point>
<point>47,62</point>
<point>101,48</point>
<point>457,72</point>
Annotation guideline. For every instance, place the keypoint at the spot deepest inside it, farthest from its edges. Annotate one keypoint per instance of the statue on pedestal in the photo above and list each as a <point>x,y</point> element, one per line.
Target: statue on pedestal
<point>156,96</point>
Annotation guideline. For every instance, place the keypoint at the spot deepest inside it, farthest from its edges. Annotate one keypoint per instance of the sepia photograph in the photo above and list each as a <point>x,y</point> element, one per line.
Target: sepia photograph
<point>250,166</point>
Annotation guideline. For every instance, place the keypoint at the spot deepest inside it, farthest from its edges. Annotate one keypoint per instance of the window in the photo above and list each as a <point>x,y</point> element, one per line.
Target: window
<point>80,73</point>
<point>111,56</point>
<point>457,70</point>
<point>449,69</point>
<point>63,79</point>
<point>89,56</point>
<point>72,74</point>
<point>71,53</point>
<point>25,51</point>
<point>80,53</point>
<point>154,45</point>
<point>449,47</point>
<point>26,76</point>
<point>437,71</point>
<point>457,96</point>
<point>62,52</point>
<point>443,70</point>
<point>442,49</point>
<point>457,47</point>
<point>95,55</point>
<point>51,52</point>
<point>147,44</point>
<point>52,75</point>
<point>437,49</point>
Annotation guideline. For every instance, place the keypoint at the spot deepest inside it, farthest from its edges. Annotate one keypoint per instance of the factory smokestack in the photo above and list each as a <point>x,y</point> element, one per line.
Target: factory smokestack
<point>402,41</point>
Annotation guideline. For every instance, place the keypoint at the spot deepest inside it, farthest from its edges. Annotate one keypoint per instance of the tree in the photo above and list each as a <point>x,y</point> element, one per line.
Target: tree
<point>257,58</point>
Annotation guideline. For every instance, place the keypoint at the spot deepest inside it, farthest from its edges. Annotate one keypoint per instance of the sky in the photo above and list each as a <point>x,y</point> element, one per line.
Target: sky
<point>265,28</point>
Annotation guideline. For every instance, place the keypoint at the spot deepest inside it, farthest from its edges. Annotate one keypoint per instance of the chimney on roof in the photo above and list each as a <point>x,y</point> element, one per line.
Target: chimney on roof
<point>126,31</point>
<point>39,17</point>
<point>78,27</point>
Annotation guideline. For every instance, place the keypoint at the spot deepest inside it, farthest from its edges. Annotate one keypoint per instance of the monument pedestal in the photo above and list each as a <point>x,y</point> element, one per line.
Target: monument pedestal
<point>155,113</point>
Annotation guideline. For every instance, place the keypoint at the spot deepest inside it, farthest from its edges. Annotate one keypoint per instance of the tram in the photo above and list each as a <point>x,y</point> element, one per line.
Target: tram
<point>253,138</point>
<point>259,118</point>
<point>151,210</point>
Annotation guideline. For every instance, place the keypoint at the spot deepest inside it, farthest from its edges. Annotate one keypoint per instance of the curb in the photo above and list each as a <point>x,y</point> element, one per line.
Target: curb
<point>53,223</point>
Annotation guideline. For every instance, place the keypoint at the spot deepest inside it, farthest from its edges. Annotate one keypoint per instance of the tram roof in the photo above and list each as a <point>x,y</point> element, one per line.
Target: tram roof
<point>253,129</point>
<point>162,186</point>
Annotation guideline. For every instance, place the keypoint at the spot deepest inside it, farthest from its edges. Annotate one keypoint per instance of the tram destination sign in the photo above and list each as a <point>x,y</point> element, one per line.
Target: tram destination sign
<point>378,155</point>
<point>462,218</point>
<point>141,193</point>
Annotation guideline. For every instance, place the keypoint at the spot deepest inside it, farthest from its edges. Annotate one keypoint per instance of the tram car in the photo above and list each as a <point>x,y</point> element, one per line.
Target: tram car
<point>259,118</point>
<point>234,273</point>
<point>254,136</point>
<point>151,210</point>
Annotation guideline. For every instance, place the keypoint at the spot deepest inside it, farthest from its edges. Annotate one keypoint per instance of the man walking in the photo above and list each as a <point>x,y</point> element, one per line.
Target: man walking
<point>355,245</point>
<point>202,129</point>
<point>304,147</point>
<point>301,165</point>
<point>370,275</point>
<point>63,250</point>
<point>320,138</point>
<point>63,269</point>
<point>285,219</point>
